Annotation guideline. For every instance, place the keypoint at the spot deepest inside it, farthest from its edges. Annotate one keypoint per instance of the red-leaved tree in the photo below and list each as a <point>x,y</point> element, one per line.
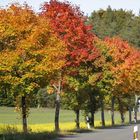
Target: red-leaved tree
<point>68,23</point>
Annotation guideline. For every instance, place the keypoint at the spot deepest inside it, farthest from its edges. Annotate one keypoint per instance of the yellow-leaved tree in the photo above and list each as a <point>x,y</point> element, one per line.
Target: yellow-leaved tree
<point>30,54</point>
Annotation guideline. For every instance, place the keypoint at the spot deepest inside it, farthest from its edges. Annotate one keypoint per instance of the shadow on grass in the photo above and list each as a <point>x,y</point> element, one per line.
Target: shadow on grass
<point>30,136</point>
<point>43,135</point>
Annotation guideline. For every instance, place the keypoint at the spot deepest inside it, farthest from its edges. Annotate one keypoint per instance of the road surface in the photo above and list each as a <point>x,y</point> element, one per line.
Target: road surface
<point>116,133</point>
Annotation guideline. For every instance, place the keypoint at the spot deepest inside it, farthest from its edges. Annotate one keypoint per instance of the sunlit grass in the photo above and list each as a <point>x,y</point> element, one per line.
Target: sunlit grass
<point>48,127</point>
<point>43,131</point>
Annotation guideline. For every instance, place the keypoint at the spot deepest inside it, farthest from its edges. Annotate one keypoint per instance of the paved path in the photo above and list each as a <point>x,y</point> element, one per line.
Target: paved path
<point>117,133</point>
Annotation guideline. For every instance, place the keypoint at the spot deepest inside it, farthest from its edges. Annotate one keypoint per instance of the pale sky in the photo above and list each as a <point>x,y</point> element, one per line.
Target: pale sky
<point>87,6</point>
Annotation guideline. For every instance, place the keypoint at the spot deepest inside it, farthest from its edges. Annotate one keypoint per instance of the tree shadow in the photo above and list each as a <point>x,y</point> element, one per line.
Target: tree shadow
<point>72,134</point>
<point>117,126</point>
<point>57,135</point>
<point>30,136</point>
<point>82,130</point>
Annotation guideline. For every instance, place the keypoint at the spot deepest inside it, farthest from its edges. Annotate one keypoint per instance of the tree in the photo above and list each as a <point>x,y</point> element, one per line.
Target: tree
<point>123,56</point>
<point>112,70</point>
<point>131,31</point>
<point>6,97</point>
<point>101,77</point>
<point>67,22</point>
<point>109,22</point>
<point>125,102</point>
<point>45,98</point>
<point>11,37</point>
<point>73,97</point>
<point>112,22</point>
<point>30,53</point>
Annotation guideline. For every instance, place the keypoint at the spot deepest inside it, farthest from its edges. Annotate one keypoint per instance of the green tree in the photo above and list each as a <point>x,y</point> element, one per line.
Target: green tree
<point>112,22</point>
<point>73,97</point>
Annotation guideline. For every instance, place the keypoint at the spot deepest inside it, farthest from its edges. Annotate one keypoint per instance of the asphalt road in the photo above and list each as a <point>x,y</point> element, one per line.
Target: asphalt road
<point>116,133</point>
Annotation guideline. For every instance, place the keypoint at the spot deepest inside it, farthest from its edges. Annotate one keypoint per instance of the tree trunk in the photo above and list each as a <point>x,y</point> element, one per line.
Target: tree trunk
<point>135,115</point>
<point>122,117</point>
<point>130,115</point>
<point>112,110</point>
<point>135,109</point>
<point>102,112</point>
<point>24,115</point>
<point>77,118</point>
<point>92,119</point>
<point>121,110</point>
<point>57,108</point>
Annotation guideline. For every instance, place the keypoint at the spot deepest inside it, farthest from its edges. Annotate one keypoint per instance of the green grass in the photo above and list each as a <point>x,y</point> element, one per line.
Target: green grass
<point>45,115</point>
<point>42,119</point>
<point>36,116</point>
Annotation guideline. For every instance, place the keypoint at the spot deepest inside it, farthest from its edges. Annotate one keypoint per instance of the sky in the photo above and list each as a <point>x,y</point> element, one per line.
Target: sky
<point>87,6</point>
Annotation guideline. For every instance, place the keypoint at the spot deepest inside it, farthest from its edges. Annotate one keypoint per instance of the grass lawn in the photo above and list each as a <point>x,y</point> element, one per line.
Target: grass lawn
<point>42,119</point>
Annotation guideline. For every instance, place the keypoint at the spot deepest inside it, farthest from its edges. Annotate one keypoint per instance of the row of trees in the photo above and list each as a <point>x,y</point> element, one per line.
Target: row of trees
<point>58,49</point>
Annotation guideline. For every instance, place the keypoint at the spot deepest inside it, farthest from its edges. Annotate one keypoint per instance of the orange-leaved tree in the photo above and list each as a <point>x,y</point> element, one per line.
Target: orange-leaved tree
<point>124,57</point>
<point>30,53</point>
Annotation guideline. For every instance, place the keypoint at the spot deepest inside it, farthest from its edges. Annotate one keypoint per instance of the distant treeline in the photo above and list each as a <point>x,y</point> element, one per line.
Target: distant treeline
<point>112,22</point>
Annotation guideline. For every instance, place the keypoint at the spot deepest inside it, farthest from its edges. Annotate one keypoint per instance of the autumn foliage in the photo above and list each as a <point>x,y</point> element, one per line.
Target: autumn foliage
<point>29,47</point>
<point>30,53</point>
<point>57,48</point>
<point>123,58</point>
<point>68,23</point>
